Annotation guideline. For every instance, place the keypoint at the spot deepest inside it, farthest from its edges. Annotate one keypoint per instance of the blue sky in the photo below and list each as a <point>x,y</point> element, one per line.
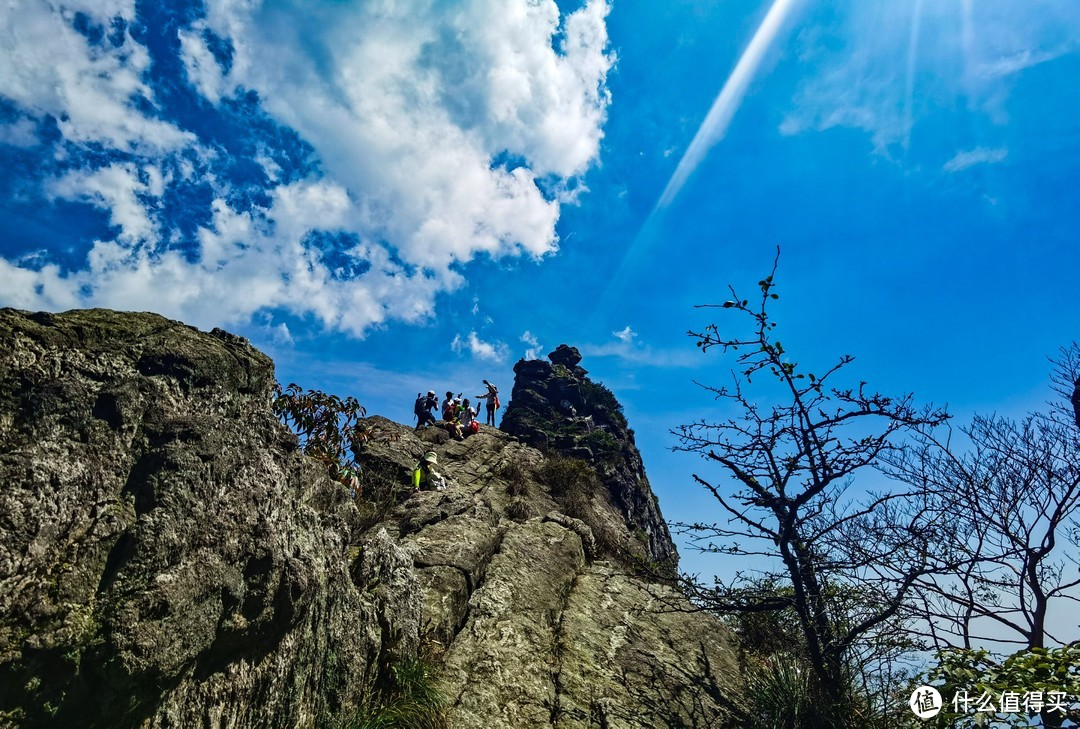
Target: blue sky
<point>388,197</point>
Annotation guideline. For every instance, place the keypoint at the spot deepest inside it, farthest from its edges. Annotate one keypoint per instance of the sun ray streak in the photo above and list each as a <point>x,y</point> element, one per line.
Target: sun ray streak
<point>727,102</point>
<point>909,80</point>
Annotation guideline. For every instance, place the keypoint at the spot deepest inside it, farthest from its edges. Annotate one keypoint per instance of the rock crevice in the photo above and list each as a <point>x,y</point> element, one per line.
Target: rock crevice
<point>169,558</point>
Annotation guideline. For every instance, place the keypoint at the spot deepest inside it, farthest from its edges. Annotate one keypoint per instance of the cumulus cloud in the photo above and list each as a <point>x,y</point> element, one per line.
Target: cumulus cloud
<point>534,349</point>
<point>977,156</point>
<point>97,93</point>
<point>489,351</point>
<point>411,112</point>
<point>120,190</point>
<point>440,132</point>
<point>626,335</point>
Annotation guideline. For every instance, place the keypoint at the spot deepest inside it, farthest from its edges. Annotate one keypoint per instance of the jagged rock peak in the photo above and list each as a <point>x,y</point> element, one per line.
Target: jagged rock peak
<point>169,558</point>
<point>565,355</point>
<point>556,407</point>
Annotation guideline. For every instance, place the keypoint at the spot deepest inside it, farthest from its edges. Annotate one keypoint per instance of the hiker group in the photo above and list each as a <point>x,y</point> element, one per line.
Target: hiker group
<point>458,415</point>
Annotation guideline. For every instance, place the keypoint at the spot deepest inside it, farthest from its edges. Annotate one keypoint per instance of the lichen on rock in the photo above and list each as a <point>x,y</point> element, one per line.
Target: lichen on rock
<point>168,557</point>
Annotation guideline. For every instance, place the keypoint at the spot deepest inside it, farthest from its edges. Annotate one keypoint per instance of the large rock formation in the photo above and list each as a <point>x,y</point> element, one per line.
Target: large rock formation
<point>557,407</point>
<point>168,558</point>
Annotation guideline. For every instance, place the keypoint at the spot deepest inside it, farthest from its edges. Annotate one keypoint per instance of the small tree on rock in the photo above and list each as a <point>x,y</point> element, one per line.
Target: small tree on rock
<point>842,562</point>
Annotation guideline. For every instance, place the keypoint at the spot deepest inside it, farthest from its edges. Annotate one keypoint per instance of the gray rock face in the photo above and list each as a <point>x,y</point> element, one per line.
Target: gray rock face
<point>168,558</point>
<point>534,625</point>
<point>557,407</point>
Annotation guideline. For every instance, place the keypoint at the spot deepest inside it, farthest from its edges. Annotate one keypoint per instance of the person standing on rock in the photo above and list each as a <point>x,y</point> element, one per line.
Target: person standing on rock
<point>423,407</point>
<point>425,477</point>
<point>492,398</point>
<point>448,406</point>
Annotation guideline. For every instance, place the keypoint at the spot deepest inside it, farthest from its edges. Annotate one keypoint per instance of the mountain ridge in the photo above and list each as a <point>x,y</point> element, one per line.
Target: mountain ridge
<point>170,557</point>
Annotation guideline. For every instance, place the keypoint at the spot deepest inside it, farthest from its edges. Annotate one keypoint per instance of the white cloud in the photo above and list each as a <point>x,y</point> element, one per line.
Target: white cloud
<point>630,349</point>
<point>883,67</point>
<point>119,189</point>
<point>977,156</point>
<point>94,92</point>
<point>1013,63</point>
<point>534,349</point>
<point>406,106</point>
<point>626,336</point>
<point>409,113</point>
<point>203,70</point>
<point>20,133</point>
<point>282,336</point>
<point>489,351</point>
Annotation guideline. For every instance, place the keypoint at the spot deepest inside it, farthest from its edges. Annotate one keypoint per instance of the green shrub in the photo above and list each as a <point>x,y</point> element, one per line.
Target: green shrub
<point>603,445</point>
<point>520,509</point>
<point>598,397</point>
<point>572,483</point>
<point>409,701</point>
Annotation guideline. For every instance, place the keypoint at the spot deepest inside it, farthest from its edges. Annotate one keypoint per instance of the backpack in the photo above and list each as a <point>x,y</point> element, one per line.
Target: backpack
<point>474,427</point>
<point>418,408</point>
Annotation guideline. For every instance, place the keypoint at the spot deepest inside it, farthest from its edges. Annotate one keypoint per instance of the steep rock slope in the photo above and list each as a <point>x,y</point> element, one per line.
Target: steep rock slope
<point>537,622</point>
<point>168,558</point>
<point>555,406</point>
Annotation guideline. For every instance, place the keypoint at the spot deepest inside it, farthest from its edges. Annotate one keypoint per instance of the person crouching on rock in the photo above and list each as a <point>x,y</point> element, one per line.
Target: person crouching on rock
<point>425,477</point>
<point>453,420</point>
<point>469,423</point>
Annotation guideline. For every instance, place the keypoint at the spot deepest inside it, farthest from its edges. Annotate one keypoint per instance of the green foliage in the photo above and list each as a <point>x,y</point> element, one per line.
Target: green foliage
<point>598,398</point>
<point>781,693</point>
<point>409,701</point>
<point>1053,673</point>
<point>603,444</point>
<point>326,425</point>
<point>572,483</point>
<point>783,690</point>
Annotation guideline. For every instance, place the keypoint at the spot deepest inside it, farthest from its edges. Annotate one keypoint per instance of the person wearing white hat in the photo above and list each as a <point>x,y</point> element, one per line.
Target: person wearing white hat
<point>425,476</point>
<point>492,397</point>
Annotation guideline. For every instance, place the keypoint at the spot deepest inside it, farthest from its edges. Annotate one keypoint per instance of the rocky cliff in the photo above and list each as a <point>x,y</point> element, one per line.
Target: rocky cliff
<point>169,558</point>
<point>555,406</point>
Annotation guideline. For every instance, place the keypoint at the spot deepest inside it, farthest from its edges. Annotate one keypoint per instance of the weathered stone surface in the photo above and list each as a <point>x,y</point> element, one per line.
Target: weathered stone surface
<point>501,669</point>
<point>168,558</point>
<point>557,407</point>
<point>629,657</point>
<point>534,627</point>
<point>565,355</point>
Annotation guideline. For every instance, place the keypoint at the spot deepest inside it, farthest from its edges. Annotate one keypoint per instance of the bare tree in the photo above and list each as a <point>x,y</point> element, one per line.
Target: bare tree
<point>1017,513</point>
<point>845,558</point>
